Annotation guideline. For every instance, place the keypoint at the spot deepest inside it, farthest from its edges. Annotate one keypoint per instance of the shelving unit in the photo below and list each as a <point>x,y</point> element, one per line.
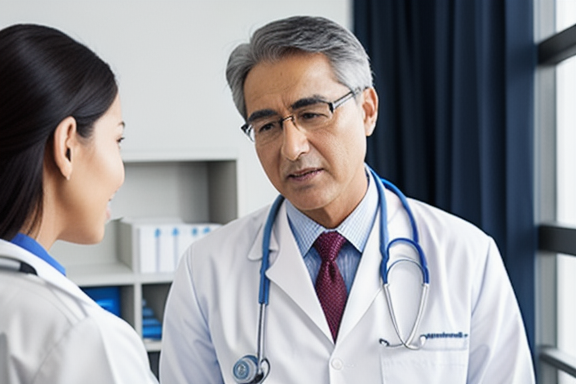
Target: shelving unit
<point>194,189</point>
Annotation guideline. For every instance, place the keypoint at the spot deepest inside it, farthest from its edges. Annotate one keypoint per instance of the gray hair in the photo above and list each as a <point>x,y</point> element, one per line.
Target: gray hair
<point>300,34</point>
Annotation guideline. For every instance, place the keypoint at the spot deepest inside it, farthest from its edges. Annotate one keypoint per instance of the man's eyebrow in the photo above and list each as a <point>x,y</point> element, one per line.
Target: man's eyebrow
<point>260,114</point>
<point>307,101</point>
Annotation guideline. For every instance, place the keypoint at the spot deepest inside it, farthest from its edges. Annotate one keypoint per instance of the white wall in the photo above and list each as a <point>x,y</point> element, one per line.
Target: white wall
<point>169,57</point>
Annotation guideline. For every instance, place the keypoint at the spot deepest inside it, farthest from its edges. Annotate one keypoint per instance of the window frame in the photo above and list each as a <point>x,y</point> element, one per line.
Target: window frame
<point>553,238</point>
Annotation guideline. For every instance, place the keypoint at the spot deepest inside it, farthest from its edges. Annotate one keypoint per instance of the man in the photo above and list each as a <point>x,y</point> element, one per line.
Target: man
<point>304,87</point>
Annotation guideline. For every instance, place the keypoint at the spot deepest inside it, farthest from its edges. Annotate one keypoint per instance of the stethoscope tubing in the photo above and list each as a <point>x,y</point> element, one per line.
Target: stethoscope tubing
<point>11,264</point>
<point>423,299</point>
<point>386,244</point>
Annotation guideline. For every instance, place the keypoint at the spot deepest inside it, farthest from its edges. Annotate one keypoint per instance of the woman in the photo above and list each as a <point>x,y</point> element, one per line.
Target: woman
<point>60,165</point>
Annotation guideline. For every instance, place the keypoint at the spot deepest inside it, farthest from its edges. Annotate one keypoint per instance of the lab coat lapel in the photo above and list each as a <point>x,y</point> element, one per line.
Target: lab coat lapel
<point>289,273</point>
<point>367,283</point>
<point>44,270</point>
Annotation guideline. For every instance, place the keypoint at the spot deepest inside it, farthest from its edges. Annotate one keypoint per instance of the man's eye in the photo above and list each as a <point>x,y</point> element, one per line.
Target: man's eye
<point>314,112</point>
<point>266,127</point>
<point>310,115</point>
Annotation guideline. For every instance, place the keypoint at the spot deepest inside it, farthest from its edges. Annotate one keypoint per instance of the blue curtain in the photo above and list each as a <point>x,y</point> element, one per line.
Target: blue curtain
<point>455,129</point>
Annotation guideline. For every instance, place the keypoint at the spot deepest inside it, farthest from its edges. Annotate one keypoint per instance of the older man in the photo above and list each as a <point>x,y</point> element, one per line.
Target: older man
<point>327,309</point>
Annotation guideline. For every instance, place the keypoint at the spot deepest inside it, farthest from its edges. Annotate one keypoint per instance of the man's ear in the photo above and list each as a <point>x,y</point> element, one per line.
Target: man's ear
<point>65,144</point>
<point>370,109</point>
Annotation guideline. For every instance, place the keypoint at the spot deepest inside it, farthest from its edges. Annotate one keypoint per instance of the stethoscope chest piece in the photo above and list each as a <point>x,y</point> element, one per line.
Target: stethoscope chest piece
<point>247,371</point>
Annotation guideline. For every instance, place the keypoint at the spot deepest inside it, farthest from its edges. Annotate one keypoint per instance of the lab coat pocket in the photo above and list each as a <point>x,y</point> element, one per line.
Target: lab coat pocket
<point>442,360</point>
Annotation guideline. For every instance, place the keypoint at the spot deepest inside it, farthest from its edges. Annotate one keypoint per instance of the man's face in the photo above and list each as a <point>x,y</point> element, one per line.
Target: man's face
<point>322,171</point>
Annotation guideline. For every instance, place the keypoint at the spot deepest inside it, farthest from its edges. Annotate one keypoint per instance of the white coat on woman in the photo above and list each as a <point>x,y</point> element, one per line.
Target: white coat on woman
<point>52,332</point>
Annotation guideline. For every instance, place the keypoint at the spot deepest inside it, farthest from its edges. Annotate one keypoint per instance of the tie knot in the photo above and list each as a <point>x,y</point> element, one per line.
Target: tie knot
<point>328,245</point>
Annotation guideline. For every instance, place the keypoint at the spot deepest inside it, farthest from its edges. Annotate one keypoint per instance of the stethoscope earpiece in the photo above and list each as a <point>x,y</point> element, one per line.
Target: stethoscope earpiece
<point>246,370</point>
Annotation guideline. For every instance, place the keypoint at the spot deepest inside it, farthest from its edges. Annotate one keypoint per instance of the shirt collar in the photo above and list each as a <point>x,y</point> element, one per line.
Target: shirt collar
<point>355,228</point>
<point>36,249</point>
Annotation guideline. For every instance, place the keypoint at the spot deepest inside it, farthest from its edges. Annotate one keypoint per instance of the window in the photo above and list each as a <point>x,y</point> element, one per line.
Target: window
<point>566,203</point>
<point>556,188</point>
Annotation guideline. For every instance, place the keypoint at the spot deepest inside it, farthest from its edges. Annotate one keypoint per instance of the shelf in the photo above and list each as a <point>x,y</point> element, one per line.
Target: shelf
<point>102,274</point>
<point>91,275</point>
<point>154,278</point>
<point>152,345</point>
<point>197,155</point>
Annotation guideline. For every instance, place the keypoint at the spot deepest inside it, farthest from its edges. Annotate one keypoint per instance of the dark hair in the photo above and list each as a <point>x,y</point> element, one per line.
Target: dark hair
<point>45,77</point>
<point>284,37</point>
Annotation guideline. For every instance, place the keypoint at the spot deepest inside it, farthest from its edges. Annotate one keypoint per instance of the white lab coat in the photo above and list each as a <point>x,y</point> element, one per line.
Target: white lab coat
<point>51,332</point>
<point>476,334</point>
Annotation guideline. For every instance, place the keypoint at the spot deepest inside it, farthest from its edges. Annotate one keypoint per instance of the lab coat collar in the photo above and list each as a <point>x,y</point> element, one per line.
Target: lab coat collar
<point>31,245</point>
<point>44,270</point>
<point>255,252</point>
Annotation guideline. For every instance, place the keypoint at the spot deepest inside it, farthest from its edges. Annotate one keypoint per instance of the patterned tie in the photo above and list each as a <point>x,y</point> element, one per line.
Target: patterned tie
<point>330,286</point>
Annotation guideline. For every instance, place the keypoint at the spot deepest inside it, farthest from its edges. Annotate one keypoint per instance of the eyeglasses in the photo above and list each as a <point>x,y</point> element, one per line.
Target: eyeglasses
<point>314,114</point>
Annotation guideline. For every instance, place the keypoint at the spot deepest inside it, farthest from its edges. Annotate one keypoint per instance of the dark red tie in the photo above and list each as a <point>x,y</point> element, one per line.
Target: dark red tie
<point>330,286</point>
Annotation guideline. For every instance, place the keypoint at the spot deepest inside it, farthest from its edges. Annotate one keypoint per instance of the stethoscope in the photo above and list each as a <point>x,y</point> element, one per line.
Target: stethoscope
<point>10,264</point>
<point>253,369</point>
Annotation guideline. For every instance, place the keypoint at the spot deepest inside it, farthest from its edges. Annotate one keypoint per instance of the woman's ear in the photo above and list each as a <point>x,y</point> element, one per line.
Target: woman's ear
<point>370,109</point>
<point>65,144</point>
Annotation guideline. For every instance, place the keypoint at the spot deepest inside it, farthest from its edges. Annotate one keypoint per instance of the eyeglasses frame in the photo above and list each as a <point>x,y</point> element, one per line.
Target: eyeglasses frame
<point>249,130</point>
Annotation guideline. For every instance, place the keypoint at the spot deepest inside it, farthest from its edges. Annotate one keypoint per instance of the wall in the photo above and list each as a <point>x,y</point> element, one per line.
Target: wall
<point>169,57</point>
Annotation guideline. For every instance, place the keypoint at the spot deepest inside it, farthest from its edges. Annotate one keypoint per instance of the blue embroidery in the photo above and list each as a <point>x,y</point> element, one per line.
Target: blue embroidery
<point>445,335</point>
